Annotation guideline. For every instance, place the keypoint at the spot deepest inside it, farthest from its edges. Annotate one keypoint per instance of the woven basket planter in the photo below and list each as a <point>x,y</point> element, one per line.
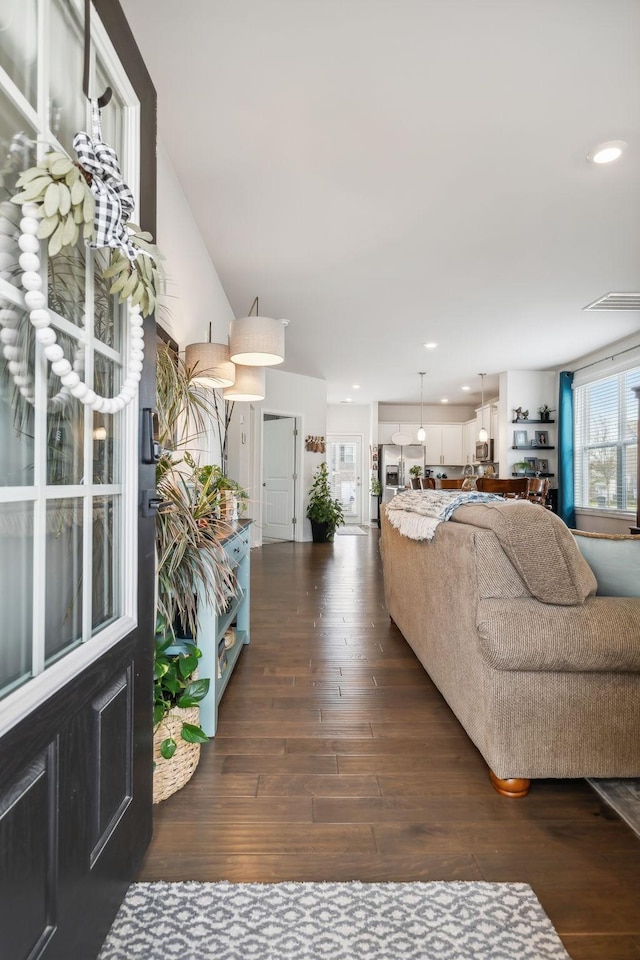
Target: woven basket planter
<point>169,776</point>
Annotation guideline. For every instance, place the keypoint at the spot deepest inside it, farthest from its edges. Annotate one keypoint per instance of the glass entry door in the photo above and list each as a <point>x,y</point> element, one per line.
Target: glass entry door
<point>345,473</point>
<point>77,607</point>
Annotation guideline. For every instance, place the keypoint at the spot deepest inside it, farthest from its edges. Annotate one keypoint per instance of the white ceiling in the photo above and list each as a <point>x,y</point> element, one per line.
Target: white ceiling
<point>387,172</point>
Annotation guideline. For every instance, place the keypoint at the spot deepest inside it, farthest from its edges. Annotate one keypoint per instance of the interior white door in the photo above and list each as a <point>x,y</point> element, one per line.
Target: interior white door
<point>278,484</point>
<point>345,474</point>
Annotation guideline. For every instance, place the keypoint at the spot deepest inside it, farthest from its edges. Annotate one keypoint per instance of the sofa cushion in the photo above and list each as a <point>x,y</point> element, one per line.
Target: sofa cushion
<point>539,545</point>
<point>615,561</point>
<point>601,635</point>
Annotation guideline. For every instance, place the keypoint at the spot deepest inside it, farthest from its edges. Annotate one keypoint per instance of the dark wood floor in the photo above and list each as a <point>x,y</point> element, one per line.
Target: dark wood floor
<point>337,759</point>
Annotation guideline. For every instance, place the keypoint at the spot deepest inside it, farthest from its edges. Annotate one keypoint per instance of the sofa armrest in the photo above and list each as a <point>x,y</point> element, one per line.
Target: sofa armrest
<point>601,635</point>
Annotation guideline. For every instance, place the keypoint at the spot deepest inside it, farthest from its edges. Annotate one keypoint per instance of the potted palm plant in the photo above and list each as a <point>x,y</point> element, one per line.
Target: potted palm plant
<point>323,510</point>
<point>188,552</point>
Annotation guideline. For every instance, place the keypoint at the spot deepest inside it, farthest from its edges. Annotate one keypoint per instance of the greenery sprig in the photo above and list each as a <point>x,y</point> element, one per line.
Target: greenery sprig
<point>61,189</point>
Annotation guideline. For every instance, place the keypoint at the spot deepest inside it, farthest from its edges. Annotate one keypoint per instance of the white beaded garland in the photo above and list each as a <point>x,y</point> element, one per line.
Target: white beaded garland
<point>31,280</point>
<point>29,261</point>
<point>28,243</point>
<point>61,367</point>
<point>54,353</point>
<point>46,336</point>
<point>35,300</point>
<point>29,225</point>
<point>40,318</point>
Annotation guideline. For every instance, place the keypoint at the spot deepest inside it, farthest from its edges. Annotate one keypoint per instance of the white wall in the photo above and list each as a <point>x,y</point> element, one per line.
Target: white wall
<point>194,294</point>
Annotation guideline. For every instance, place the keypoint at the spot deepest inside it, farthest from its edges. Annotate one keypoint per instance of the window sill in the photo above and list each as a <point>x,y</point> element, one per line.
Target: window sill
<point>625,515</point>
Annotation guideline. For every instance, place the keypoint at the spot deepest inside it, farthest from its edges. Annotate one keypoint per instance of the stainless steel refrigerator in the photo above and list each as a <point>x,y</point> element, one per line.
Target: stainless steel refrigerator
<point>394,464</point>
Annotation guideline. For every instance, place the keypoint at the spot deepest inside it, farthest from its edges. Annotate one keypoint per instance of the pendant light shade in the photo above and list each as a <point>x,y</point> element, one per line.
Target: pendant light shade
<point>421,431</point>
<point>249,385</point>
<point>256,341</point>
<point>211,364</point>
<point>483,436</point>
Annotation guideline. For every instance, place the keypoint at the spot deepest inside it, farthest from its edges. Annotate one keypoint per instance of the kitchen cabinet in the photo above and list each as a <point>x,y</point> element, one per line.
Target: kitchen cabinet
<point>444,444</point>
<point>469,437</point>
<point>386,432</point>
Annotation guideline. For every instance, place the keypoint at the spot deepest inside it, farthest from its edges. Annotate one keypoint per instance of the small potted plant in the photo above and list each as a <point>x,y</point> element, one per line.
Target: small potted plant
<point>545,412</point>
<point>376,491</point>
<point>324,511</point>
<point>521,468</point>
<point>415,472</point>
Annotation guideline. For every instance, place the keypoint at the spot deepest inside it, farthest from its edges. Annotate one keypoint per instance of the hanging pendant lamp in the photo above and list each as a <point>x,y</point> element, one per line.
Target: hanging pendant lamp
<point>483,436</point>
<point>421,431</point>
<point>210,363</point>
<point>256,341</point>
<point>249,385</point>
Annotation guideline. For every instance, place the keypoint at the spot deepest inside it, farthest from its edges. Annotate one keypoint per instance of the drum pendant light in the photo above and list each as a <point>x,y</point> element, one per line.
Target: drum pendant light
<point>483,436</point>
<point>421,431</point>
<point>210,364</point>
<point>249,385</point>
<point>256,341</point>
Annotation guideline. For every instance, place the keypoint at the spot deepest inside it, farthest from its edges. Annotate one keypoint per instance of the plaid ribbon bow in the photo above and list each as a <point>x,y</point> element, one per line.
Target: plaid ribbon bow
<point>114,200</point>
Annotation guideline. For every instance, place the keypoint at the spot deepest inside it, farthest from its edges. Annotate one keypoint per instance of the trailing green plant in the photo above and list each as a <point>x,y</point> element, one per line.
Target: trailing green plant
<point>322,506</point>
<point>175,686</point>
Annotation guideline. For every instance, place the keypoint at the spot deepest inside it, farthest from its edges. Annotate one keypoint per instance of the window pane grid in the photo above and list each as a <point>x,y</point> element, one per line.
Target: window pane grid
<point>68,483</point>
<point>605,443</point>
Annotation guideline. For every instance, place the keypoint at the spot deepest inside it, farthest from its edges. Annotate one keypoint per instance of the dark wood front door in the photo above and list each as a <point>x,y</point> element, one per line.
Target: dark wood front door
<point>76,551</point>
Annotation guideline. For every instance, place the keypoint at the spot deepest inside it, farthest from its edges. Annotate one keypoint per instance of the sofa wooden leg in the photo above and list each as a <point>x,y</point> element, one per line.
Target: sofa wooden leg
<point>513,788</point>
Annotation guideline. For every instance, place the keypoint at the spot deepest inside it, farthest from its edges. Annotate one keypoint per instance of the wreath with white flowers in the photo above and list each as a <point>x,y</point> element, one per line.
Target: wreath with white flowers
<point>61,201</point>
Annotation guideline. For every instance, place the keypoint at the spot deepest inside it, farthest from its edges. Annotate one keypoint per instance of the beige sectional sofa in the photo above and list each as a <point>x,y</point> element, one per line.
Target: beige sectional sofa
<point>500,609</point>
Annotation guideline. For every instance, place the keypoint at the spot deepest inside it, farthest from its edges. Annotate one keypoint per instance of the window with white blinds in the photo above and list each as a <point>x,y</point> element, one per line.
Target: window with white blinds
<point>606,442</point>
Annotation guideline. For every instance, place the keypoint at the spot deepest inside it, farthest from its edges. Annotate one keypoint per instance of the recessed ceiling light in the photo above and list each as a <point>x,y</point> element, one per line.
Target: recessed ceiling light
<point>466,388</point>
<point>607,152</point>
<point>430,346</point>
<point>444,400</point>
<point>355,386</point>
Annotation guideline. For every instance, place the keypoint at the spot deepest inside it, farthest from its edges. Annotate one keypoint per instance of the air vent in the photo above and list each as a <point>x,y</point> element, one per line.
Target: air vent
<point>616,301</point>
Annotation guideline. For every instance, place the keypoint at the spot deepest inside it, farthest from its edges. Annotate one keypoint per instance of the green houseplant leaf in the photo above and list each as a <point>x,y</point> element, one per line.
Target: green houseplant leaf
<point>193,734</point>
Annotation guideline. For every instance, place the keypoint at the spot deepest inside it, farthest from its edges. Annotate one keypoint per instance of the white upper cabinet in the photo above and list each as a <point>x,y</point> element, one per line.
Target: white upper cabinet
<point>386,432</point>
<point>444,444</point>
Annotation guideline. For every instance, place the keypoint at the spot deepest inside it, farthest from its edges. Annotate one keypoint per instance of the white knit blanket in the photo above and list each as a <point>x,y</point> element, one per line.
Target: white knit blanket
<point>417,513</point>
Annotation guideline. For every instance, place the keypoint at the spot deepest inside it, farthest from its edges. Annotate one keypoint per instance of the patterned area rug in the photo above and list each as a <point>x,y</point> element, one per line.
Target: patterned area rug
<point>332,921</point>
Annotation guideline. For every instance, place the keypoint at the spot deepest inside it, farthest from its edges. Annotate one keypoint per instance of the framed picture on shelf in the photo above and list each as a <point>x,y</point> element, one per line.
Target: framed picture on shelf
<point>542,466</point>
<point>542,438</point>
<point>533,464</point>
<point>520,438</point>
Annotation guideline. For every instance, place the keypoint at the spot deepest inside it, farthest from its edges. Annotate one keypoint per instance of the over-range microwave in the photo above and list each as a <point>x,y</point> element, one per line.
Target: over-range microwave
<point>484,451</point>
